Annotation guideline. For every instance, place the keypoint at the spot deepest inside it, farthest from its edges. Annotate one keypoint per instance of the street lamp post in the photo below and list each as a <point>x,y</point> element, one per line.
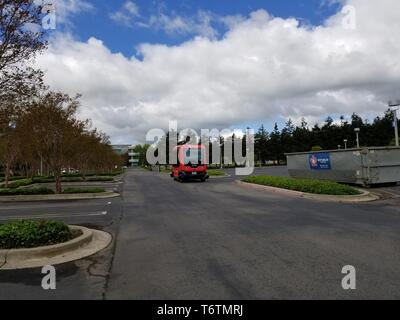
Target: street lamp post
<point>357,131</point>
<point>393,105</point>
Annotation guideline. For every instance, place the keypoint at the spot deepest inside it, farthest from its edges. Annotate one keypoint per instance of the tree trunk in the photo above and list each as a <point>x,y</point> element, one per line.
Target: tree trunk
<point>27,170</point>
<point>7,175</point>
<point>58,184</point>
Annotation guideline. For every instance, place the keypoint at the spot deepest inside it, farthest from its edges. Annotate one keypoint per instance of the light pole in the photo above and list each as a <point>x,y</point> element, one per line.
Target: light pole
<point>393,105</point>
<point>345,144</point>
<point>221,144</point>
<point>357,131</point>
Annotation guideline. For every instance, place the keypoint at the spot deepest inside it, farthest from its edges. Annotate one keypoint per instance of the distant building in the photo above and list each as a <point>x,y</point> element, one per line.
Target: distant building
<point>133,157</point>
<point>121,149</point>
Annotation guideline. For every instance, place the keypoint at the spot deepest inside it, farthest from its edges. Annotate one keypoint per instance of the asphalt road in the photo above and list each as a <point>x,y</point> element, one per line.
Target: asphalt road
<point>216,240</point>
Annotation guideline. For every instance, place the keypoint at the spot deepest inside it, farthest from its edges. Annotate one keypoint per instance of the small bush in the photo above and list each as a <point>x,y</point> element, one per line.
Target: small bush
<point>19,183</point>
<point>71,179</point>
<point>114,173</point>
<point>43,179</point>
<point>93,174</point>
<point>26,192</point>
<point>72,175</point>
<point>32,234</point>
<point>316,148</point>
<point>99,179</point>
<point>83,190</point>
<point>13,178</point>
<point>304,185</point>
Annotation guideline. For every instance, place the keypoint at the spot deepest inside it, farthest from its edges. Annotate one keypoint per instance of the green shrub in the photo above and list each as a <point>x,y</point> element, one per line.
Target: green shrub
<point>43,179</point>
<point>114,173</point>
<point>13,178</point>
<point>32,234</point>
<point>316,148</point>
<point>93,174</point>
<point>99,179</point>
<point>19,183</point>
<point>72,175</point>
<point>71,179</point>
<point>83,190</point>
<point>304,185</point>
<point>26,192</point>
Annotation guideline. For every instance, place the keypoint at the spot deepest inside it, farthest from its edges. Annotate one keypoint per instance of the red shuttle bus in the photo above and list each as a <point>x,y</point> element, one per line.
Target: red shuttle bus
<point>191,164</point>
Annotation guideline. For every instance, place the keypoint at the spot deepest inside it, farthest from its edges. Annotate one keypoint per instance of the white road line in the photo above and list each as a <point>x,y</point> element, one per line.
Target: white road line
<point>46,216</point>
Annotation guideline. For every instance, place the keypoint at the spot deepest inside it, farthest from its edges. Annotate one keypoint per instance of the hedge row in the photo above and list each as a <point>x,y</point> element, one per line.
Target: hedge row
<point>304,185</point>
<point>31,234</point>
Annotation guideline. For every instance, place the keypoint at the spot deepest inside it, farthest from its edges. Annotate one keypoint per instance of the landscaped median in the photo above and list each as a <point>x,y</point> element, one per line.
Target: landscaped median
<point>31,244</point>
<point>309,188</point>
<point>46,194</point>
<point>22,182</point>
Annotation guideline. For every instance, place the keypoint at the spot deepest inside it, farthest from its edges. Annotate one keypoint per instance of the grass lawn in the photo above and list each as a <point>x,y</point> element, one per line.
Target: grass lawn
<point>304,185</point>
<point>215,173</point>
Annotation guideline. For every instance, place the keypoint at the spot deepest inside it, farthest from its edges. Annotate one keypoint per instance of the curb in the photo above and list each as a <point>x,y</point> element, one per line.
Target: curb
<point>366,196</point>
<point>59,197</point>
<point>87,244</point>
<point>220,177</point>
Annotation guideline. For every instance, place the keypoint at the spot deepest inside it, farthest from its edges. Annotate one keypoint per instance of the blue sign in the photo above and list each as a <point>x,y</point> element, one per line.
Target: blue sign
<point>320,161</point>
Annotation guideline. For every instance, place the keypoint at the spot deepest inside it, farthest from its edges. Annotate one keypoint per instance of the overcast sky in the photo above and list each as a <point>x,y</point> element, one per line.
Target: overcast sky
<point>223,63</point>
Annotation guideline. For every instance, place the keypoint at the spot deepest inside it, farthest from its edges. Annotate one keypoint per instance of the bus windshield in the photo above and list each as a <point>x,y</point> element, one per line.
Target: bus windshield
<point>194,156</point>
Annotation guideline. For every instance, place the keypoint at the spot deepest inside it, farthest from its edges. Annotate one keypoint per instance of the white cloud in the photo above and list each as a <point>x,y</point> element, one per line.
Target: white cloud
<point>263,67</point>
<point>200,24</point>
<point>171,23</point>
<point>126,15</point>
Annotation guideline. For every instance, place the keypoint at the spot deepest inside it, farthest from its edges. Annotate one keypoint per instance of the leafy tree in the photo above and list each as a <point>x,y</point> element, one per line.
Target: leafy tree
<point>55,131</point>
<point>18,42</point>
<point>261,144</point>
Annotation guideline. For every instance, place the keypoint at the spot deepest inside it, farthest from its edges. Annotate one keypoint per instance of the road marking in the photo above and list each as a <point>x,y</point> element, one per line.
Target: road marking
<point>56,215</point>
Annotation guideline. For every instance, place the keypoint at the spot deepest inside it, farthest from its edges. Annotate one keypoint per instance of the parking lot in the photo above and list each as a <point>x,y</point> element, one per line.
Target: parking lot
<point>216,240</point>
